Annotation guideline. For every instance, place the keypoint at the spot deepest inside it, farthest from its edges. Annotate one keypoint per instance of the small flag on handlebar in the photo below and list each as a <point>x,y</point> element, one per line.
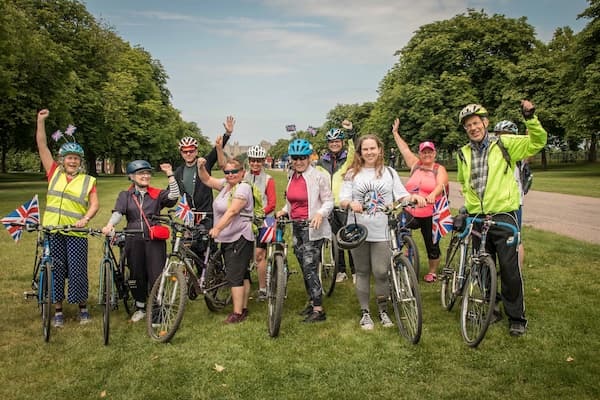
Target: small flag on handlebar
<point>28,213</point>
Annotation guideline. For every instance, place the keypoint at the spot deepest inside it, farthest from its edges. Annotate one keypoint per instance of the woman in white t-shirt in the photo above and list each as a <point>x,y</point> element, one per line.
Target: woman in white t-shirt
<point>369,186</point>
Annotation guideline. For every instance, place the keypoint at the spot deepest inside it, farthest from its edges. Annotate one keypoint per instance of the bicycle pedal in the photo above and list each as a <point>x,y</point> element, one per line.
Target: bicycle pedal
<point>28,295</point>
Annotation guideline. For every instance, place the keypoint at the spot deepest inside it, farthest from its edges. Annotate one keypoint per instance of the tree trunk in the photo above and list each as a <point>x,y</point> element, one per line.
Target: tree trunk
<point>593,152</point>
<point>544,159</point>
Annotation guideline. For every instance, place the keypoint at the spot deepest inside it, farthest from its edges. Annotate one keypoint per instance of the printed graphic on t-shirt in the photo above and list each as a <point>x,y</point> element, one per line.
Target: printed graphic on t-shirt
<point>373,196</point>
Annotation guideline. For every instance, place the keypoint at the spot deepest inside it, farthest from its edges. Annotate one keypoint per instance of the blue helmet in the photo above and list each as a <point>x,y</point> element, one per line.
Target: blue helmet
<point>506,126</point>
<point>138,165</point>
<point>300,147</point>
<point>70,148</point>
<point>335,134</point>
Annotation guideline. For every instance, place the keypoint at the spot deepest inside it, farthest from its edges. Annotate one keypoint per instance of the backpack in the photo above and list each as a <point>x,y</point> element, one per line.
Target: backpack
<point>524,168</point>
<point>436,166</point>
<point>259,210</point>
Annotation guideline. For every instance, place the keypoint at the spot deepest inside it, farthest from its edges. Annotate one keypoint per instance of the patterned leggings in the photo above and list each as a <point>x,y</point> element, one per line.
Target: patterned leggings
<point>69,257</point>
<point>308,254</point>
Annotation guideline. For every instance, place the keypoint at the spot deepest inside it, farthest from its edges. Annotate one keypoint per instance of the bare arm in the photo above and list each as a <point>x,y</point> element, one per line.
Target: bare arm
<point>41,140</point>
<point>409,157</point>
<point>221,159</point>
<point>236,206</point>
<point>205,177</point>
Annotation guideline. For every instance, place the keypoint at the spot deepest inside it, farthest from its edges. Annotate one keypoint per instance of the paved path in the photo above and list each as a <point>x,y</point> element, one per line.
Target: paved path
<point>573,216</point>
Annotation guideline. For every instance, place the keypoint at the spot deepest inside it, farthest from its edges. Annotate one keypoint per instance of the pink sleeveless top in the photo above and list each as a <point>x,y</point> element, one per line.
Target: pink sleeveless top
<point>422,182</point>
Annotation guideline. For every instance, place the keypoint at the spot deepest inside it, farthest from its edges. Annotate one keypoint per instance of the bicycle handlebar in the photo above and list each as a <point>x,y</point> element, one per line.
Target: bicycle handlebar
<point>487,221</point>
<point>49,228</point>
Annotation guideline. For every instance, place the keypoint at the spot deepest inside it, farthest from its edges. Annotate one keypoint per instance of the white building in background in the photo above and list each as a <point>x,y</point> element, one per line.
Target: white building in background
<point>235,149</point>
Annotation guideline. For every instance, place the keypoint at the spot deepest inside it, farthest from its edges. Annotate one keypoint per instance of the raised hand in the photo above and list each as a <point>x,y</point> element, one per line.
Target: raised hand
<point>167,168</point>
<point>346,124</point>
<point>229,124</point>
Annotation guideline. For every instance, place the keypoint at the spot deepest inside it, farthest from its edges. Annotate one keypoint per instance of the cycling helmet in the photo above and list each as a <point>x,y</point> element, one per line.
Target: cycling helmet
<point>70,148</point>
<point>506,127</point>
<point>300,147</point>
<point>138,165</point>
<point>471,109</point>
<point>188,141</point>
<point>334,134</point>
<point>351,236</point>
<point>257,152</point>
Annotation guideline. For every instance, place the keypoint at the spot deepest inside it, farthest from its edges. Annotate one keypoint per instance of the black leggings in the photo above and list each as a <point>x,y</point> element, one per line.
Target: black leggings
<point>426,225</point>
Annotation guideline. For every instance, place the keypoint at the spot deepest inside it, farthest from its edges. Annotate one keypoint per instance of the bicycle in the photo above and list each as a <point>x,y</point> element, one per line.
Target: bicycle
<point>404,287</point>
<point>407,244</point>
<point>328,265</point>
<point>455,270</point>
<point>42,281</point>
<point>114,282</point>
<point>277,275</point>
<point>179,280</point>
<point>479,293</point>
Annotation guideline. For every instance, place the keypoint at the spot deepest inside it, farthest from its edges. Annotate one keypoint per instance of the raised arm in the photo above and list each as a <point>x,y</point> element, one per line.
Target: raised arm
<point>409,157</point>
<point>221,159</point>
<point>213,156</point>
<point>205,177</point>
<point>42,141</point>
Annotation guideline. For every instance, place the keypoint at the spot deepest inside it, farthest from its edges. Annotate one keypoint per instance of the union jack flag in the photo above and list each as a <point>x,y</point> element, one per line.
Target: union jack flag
<point>268,231</point>
<point>311,130</point>
<point>28,213</point>
<point>441,219</point>
<point>290,128</point>
<point>184,212</point>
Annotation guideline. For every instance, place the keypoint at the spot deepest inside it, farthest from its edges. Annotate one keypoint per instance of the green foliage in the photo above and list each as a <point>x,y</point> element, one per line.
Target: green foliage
<point>557,358</point>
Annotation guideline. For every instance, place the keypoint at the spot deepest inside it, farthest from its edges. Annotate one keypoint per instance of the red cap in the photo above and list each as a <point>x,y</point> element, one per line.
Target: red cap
<point>426,145</point>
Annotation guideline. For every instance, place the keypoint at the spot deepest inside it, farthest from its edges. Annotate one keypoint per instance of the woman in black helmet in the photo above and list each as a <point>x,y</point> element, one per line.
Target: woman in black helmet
<point>138,204</point>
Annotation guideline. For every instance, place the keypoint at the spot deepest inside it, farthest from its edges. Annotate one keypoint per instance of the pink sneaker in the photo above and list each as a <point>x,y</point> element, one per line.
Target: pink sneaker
<point>430,277</point>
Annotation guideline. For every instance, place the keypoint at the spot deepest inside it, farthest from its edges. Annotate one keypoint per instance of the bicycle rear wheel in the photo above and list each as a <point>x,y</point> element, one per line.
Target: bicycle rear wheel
<point>479,296</point>
<point>106,288</point>
<point>411,252</point>
<point>166,302</point>
<point>45,298</point>
<point>451,279</point>
<point>327,266</point>
<point>276,287</point>
<point>216,292</point>
<point>406,299</point>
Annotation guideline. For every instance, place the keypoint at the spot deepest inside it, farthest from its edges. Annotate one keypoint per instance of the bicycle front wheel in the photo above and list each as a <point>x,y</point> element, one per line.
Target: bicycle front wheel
<point>479,296</point>
<point>276,287</point>
<point>454,267</point>
<point>166,303</point>
<point>216,293</point>
<point>327,267</point>
<point>406,299</point>
<point>411,252</point>
<point>45,298</point>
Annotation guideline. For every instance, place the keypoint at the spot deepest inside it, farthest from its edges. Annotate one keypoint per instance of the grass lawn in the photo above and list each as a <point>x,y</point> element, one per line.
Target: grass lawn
<point>576,179</point>
<point>557,358</point>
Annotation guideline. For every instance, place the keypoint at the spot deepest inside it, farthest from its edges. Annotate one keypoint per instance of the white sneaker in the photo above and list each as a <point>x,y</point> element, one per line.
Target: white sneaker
<point>138,316</point>
<point>366,322</point>
<point>341,277</point>
<point>385,320</point>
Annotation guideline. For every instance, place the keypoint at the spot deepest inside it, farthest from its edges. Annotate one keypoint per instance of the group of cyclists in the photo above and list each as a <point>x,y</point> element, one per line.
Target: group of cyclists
<point>350,178</point>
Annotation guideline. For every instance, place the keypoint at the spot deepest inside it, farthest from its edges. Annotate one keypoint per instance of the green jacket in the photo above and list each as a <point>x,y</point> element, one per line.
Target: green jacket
<point>337,177</point>
<point>501,192</point>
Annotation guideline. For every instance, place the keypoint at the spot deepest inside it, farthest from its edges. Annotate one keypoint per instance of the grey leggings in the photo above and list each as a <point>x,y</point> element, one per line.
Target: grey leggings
<point>375,257</point>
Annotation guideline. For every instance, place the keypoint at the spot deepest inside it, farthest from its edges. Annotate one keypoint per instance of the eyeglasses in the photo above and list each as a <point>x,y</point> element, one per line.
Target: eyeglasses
<point>296,158</point>
<point>188,151</point>
<point>231,171</point>
<point>143,173</point>
<point>259,160</point>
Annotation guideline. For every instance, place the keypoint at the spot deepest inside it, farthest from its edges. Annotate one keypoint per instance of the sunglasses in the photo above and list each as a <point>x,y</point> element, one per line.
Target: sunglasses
<point>231,171</point>
<point>255,160</point>
<point>296,158</point>
<point>188,151</point>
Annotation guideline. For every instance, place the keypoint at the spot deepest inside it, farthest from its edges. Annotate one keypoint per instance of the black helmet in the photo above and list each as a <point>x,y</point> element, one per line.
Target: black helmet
<point>351,236</point>
<point>138,165</point>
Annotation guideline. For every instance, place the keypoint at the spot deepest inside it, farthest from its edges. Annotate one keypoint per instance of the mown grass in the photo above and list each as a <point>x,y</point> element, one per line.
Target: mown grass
<point>557,358</point>
<point>576,179</point>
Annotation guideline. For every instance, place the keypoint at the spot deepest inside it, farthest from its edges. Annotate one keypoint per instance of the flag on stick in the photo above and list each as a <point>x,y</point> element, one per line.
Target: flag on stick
<point>441,219</point>
<point>28,213</point>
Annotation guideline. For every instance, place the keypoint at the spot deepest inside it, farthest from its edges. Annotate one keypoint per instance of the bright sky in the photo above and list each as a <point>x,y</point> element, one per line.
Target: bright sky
<point>271,63</point>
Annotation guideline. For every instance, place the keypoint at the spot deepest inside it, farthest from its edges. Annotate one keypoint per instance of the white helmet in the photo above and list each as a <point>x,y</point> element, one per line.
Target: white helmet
<point>257,152</point>
<point>187,142</point>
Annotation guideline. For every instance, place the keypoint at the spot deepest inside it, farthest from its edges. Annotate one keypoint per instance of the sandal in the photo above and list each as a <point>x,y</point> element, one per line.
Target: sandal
<point>430,277</point>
